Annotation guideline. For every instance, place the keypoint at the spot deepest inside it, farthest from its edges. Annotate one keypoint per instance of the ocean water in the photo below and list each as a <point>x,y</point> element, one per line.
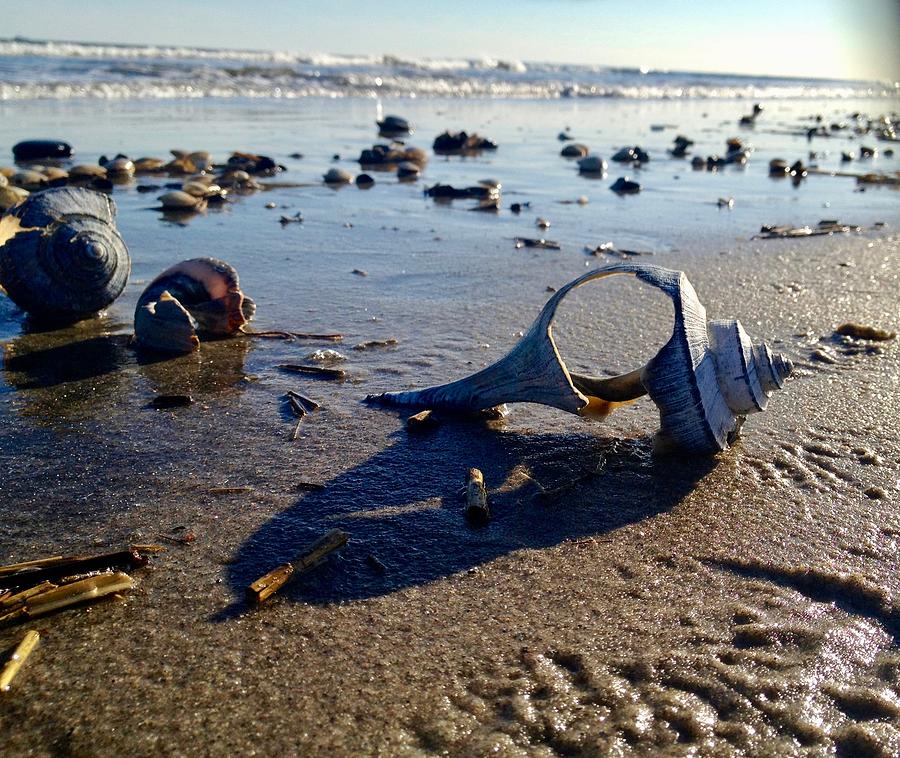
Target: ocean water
<point>47,69</point>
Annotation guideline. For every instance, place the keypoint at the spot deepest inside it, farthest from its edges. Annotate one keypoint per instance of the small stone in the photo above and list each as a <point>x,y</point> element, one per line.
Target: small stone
<point>875,493</point>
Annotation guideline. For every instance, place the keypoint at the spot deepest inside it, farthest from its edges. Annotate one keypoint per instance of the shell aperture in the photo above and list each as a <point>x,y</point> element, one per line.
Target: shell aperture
<point>704,380</point>
<point>197,297</point>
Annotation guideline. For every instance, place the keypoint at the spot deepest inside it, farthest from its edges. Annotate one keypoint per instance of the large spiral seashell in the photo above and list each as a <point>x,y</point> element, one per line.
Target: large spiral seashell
<point>201,296</point>
<point>61,256</point>
<point>704,380</point>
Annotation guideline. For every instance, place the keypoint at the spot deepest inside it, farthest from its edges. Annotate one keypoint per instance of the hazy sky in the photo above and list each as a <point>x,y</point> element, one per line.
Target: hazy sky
<point>828,38</point>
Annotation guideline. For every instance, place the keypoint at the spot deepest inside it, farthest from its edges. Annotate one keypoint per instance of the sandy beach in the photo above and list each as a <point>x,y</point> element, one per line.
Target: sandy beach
<point>742,603</point>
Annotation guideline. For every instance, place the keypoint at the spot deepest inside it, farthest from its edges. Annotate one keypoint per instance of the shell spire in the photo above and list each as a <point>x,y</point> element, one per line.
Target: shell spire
<point>62,258</point>
<point>703,380</point>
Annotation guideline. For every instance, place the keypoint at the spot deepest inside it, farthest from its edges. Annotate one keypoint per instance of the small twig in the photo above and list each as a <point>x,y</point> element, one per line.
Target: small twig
<point>325,373</point>
<point>311,556</point>
<point>229,490</point>
<point>275,334</point>
<point>20,654</point>
<point>295,433</point>
<point>14,567</point>
<point>477,510</point>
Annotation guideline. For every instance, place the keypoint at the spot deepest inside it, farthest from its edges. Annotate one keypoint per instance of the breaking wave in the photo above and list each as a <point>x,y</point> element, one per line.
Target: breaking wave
<point>33,69</point>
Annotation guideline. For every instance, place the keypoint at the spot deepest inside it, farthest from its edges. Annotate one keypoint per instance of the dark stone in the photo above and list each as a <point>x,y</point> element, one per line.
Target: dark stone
<point>34,150</point>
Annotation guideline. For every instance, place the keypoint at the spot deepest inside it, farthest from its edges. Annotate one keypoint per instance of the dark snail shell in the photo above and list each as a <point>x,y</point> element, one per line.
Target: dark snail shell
<point>63,259</point>
<point>201,296</point>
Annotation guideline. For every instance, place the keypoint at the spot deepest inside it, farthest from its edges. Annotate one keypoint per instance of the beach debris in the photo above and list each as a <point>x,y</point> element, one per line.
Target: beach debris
<point>311,556</point>
<point>461,143</point>
<point>271,205</point>
<point>779,168</point>
<point>179,201</point>
<point>309,405</point>
<point>25,647</point>
<point>422,421</point>
<point>725,202</point>
<point>275,334</point>
<point>39,149</point>
<point>30,574</point>
<point>575,150</point>
<point>258,165</point>
<point>625,186</point>
<point>228,491</point>
<point>477,510</point>
<point>680,148</point>
<point>364,181</point>
<point>750,119</point>
<point>542,223</point>
<point>337,176</point>
<point>376,565</point>
<point>705,380</point>
<point>631,155</point>
<point>71,593</point>
<point>326,355</point>
<point>61,257</point>
<point>390,342</point>
<point>120,167</point>
<point>609,248</point>
<point>297,218</point>
<point>521,242</point>
<point>30,180</point>
<point>319,371</point>
<point>391,126</point>
<point>864,332</point>
<point>200,296</point>
<point>359,272</point>
<point>163,402</point>
<point>564,136</point>
<point>408,171</point>
<point>822,355</point>
<point>384,157</point>
<point>824,227</point>
<point>11,197</point>
<point>592,164</point>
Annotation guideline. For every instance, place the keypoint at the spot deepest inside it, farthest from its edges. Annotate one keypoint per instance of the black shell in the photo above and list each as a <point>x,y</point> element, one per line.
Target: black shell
<point>68,261</point>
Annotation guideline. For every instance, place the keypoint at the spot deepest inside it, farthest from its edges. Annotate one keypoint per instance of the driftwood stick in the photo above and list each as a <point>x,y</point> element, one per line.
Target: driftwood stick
<point>20,654</point>
<point>477,510</point>
<point>325,373</point>
<point>275,334</point>
<point>310,557</point>
<point>295,432</point>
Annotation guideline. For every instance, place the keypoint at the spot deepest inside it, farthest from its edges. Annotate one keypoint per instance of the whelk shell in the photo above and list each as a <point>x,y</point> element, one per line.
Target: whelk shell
<point>61,256</point>
<point>197,297</point>
<point>704,380</point>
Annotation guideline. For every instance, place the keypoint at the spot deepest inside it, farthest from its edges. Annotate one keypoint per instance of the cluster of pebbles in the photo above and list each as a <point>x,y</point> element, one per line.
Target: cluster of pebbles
<point>200,180</point>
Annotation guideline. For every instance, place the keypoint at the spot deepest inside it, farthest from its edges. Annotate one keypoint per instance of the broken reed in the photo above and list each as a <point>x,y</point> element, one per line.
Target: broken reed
<point>310,557</point>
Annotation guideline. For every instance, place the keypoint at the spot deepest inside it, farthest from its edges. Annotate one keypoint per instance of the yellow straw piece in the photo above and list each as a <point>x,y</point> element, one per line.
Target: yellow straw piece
<point>22,651</point>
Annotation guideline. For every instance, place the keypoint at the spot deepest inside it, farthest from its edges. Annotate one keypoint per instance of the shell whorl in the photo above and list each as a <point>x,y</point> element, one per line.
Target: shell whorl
<point>66,260</point>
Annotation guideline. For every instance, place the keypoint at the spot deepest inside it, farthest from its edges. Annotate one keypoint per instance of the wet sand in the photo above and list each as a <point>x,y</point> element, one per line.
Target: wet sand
<point>745,602</point>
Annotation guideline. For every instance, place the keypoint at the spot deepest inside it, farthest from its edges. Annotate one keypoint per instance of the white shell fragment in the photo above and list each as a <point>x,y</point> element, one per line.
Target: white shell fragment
<point>194,298</point>
<point>61,258</point>
<point>704,380</point>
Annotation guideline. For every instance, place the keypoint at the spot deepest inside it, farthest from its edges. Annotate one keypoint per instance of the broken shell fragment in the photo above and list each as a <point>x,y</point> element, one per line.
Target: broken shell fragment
<point>704,380</point>
<point>194,298</point>
<point>61,256</point>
